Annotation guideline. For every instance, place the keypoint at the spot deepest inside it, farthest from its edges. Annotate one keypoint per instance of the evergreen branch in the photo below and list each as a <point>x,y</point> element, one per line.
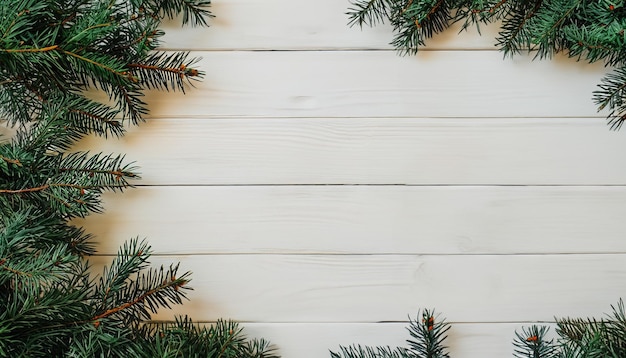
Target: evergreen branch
<point>12,24</point>
<point>513,28</point>
<point>165,71</point>
<point>547,40</point>
<point>11,161</point>
<point>612,93</point>
<point>175,283</point>
<point>130,103</point>
<point>4,266</point>
<point>491,9</point>
<point>112,125</point>
<point>130,258</point>
<point>532,343</point>
<point>25,190</point>
<point>98,64</point>
<point>417,21</point>
<point>368,12</point>
<point>191,10</point>
<point>428,336</point>
<point>184,338</point>
<point>31,50</point>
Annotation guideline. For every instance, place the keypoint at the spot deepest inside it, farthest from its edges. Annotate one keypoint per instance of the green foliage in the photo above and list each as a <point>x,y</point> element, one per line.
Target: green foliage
<point>586,30</point>
<point>427,338</point>
<point>532,343</point>
<point>185,339</point>
<point>54,55</point>
<point>577,338</point>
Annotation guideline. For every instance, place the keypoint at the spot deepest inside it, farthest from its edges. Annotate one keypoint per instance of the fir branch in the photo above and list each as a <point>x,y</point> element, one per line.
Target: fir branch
<point>514,34</point>
<point>24,190</point>
<point>164,71</point>
<point>428,337</point>
<point>612,94</point>
<point>416,21</point>
<point>555,15</point>
<point>532,343</point>
<point>31,50</point>
<point>11,161</point>
<point>151,290</point>
<point>194,11</point>
<point>368,12</point>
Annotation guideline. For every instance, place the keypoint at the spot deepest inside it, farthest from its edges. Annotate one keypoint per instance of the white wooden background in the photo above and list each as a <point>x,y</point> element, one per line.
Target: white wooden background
<point>322,188</point>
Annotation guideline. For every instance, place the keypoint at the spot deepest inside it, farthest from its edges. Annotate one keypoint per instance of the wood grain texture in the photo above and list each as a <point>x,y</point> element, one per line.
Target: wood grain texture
<point>365,219</point>
<point>575,151</point>
<point>373,288</point>
<point>237,173</point>
<point>314,340</point>
<point>382,84</point>
<point>301,25</point>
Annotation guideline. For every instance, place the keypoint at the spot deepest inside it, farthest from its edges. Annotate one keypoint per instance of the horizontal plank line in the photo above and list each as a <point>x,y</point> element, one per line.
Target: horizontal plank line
<point>297,117</point>
<point>525,254</point>
<point>381,185</point>
<point>243,323</point>
<point>330,49</point>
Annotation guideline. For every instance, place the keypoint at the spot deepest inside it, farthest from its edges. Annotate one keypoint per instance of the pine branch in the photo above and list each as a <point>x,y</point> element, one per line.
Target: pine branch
<point>532,343</point>
<point>193,11</point>
<point>612,94</point>
<point>184,338</point>
<point>369,12</point>
<point>515,34</point>
<point>547,24</point>
<point>166,71</point>
<point>417,21</point>
<point>428,336</point>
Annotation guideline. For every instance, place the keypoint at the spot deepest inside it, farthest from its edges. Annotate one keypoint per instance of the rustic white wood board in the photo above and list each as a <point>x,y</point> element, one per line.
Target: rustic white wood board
<point>366,219</point>
<point>494,151</point>
<point>381,84</point>
<point>301,25</point>
<point>374,288</point>
<point>322,188</point>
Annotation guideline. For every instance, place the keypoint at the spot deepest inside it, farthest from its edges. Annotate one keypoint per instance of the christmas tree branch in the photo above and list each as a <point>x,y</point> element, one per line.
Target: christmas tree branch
<point>26,190</point>
<point>122,74</point>
<point>31,50</point>
<point>11,161</point>
<point>4,266</point>
<point>173,283</point>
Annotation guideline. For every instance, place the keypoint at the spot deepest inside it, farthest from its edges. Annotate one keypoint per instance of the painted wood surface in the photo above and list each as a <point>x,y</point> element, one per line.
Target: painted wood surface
<point>375,288</point>
<point>301,25</point>
<point>381,84</point>
<point>322,188</point>
<point>244,151</point>
<point>366,219</point>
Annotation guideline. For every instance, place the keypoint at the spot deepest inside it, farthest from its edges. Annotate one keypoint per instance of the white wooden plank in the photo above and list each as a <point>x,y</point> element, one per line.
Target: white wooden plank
<point>365,219</point>
<point>5,133</point>
<point>314,340</point>
<point>373,288</point>
<point>381,84</point>
<point>373,151</point>
<point>300,25</point>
